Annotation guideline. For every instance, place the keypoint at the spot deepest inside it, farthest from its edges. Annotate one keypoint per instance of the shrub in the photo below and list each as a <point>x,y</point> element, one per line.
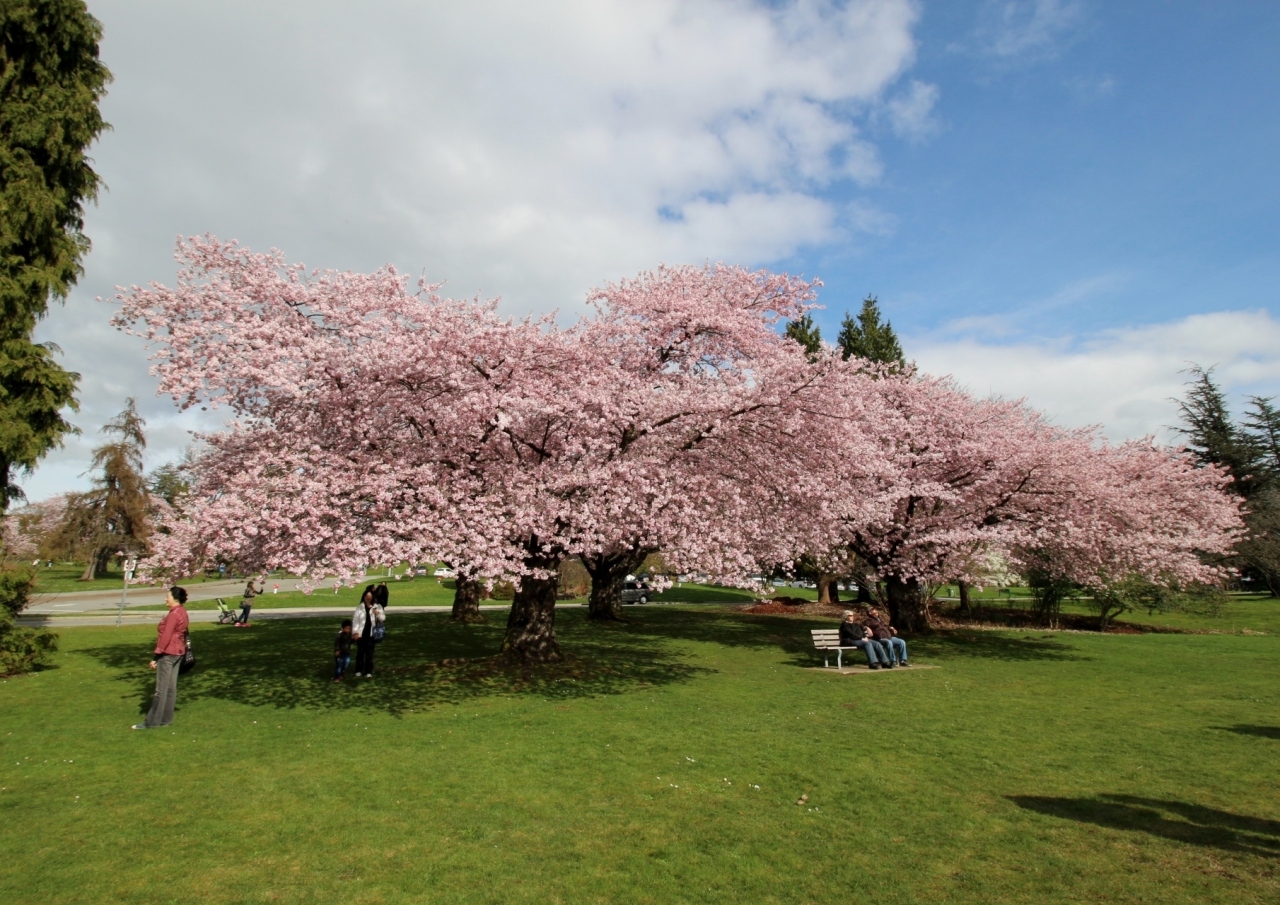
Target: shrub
<point>21,649</point>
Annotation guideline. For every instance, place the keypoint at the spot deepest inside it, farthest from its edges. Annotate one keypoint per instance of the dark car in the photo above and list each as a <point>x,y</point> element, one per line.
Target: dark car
<point>636,592</point>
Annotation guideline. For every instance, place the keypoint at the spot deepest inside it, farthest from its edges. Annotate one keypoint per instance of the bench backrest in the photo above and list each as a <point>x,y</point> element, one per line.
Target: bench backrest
<point>825,637</point>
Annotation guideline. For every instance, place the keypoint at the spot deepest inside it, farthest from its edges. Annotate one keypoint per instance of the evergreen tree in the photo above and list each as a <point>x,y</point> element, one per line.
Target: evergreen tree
<point>807,334</point>
<point>115,516</point>
<point>1212,437</point>
<point>867,338</point>
<point>169,482</point>
<point>51,81</point>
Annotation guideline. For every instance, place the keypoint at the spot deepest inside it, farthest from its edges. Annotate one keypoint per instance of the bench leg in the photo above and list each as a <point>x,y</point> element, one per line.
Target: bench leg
<point>839,659</point>
<point>825,664</point>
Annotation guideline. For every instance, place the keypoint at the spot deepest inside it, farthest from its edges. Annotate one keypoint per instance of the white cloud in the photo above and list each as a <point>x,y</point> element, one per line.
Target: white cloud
<point>911,112</point>
<point>1027,29</point>
<point>1123,379</point>
<point>511,148</point>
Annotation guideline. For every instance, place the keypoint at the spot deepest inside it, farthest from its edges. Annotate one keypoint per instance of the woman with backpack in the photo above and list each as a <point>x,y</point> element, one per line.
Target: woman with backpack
<point>367,628</point>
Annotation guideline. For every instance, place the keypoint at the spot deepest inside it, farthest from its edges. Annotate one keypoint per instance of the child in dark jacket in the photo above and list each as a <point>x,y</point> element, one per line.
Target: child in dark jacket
<point>342,651</point>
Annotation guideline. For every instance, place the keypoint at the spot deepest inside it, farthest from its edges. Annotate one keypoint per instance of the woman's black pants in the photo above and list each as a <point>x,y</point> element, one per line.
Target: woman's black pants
<point>364,655</point>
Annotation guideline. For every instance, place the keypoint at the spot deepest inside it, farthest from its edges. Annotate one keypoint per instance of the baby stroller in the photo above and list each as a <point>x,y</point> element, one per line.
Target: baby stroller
<point>226,615</point>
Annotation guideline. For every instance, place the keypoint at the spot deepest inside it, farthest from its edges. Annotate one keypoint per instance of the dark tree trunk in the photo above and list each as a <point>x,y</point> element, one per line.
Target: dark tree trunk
<point>828,591</point>
<point>466,601</point>
<point>907,610</point>
<point>607,576</point>
<point>531,627</point>
<point>864,594</point>
<point>963,588</point>
<point>97,565</point>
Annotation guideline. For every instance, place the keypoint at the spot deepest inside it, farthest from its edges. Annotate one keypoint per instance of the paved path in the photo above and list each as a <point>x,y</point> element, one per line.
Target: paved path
<point>259,615</point>
<point>92,601</point>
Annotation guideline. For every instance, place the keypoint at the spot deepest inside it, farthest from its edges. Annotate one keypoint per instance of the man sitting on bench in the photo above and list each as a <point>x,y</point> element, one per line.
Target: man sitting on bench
<point>855,634</point>
<point>887,637</point>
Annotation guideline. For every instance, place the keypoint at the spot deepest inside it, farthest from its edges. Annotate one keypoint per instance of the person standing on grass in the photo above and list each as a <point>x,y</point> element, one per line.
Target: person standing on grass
<point>246,604</point>
<point>171,645</point>
<point>887,636</point>
<point>855,634</point>
<point>342,651</point>
<point>381,595</point>
<point>367,615</point>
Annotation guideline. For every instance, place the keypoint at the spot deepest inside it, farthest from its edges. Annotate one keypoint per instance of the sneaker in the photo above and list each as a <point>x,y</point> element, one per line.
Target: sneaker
<point>359,675</point>
<point>873,666</point>
<point>139,726</point>
<point>904,664</point>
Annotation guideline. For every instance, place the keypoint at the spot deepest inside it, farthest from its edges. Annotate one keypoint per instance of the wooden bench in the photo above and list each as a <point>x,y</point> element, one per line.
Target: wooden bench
<point>827,640</point>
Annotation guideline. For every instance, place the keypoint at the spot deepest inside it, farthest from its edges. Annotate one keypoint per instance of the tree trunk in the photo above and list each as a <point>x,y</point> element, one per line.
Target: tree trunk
<point>963,588</point>
<point>907,610</point>
<point>466,601</point>
<point>94,566</point>
<point>607,576</point>
<point>828,592</point>
<point>864,594</point>
<point>531,627</point>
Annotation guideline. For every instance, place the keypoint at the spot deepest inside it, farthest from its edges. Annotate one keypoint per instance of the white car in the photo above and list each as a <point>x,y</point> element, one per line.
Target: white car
<point>444,572</point>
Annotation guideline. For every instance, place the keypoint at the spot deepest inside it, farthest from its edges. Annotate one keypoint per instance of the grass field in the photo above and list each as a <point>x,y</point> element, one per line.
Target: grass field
<point>661,763</point>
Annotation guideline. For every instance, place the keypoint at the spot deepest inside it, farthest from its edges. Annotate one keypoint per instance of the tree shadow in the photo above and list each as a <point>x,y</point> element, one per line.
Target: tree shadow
<point>1260,731</point>
<point>426,661</point>
<point>791,635</point>
<point>1178,821</point>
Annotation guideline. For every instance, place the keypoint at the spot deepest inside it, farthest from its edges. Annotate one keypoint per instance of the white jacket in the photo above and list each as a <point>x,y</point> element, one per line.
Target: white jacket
<point>357,619</point>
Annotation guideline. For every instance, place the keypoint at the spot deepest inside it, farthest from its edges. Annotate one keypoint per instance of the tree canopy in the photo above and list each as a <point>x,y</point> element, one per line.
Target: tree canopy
<point>51,82</point>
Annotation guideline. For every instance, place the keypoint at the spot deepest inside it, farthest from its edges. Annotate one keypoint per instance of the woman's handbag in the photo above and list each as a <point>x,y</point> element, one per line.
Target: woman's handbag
<point>379,632</point>
<point>188,658</point>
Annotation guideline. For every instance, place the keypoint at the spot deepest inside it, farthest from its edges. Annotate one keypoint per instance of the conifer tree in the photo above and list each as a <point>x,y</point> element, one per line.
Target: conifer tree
<point>867,338</point>
<point>115,516</point>
<point>51,81</point>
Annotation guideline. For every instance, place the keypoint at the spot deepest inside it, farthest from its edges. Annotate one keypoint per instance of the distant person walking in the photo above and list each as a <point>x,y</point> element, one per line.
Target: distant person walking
<point>171,645</point>
<point>381,594</point>
<point>246,603</point>
<point>364,620</point>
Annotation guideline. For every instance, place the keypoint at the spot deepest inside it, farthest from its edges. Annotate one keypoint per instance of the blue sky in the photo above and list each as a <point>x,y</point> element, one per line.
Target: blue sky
<point>1114,167</point>
<point>1063,201</point>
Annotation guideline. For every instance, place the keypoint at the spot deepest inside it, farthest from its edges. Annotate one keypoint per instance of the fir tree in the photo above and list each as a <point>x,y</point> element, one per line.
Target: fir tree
<point>51,81</point>
<point>867,338</point>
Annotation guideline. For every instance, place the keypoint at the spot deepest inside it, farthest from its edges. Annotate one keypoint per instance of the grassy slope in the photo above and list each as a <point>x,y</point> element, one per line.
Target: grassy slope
<point>1030,768</point>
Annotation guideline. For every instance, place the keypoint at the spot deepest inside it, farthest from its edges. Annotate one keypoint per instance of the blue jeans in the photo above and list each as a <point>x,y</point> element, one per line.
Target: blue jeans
<point>244,613</point>
<point>340,665</point>
<point>875,653</point>
<point>897,650</point>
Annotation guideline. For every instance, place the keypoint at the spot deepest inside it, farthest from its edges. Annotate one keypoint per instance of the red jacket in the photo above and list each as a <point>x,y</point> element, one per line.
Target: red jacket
<point>171,633</point>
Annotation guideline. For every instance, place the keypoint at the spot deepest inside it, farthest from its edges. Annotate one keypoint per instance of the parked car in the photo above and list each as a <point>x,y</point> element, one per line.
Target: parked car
<point>445,572</point>
<point>636,592</point>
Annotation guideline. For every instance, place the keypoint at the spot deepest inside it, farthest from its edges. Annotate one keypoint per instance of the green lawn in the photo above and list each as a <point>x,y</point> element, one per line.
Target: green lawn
<point>65,577</point>
<point>662,763</point>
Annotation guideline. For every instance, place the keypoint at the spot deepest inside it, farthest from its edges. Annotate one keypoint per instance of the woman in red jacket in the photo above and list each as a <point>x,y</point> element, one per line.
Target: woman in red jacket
<point>171,644</point>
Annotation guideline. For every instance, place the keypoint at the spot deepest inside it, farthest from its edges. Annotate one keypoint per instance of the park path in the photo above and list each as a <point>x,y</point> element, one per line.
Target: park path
<point>151,617</point>
<point>91,601</point>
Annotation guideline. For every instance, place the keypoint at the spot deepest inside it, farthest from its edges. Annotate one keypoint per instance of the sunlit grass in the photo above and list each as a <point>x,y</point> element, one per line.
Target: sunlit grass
<point>1030,767</point>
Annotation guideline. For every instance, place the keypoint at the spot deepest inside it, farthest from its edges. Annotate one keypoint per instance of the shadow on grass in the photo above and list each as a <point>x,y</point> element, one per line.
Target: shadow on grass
<point>1260,731</point>
<point>791,635</point>
<point>425,661</point>
<point>1178,821</point>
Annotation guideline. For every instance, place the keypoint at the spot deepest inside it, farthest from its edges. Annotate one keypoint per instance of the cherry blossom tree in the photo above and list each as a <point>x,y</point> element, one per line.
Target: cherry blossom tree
<point>967,478</point>
<point>375,424</point>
